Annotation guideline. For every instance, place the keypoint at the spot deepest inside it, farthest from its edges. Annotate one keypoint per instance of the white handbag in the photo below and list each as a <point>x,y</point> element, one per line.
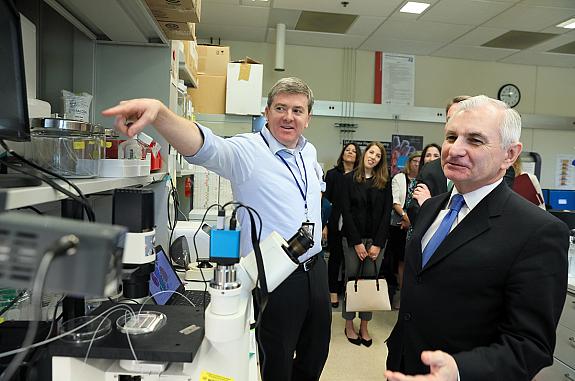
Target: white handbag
<point>366,294</point>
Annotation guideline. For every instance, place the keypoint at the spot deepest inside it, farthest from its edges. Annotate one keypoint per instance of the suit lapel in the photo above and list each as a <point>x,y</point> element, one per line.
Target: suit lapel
<point>475,223</point>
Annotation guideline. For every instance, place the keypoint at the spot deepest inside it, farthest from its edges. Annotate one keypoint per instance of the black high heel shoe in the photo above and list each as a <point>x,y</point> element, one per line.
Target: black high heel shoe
<point>334,304</point>
<point>367,343</point>
<point>353,341</point>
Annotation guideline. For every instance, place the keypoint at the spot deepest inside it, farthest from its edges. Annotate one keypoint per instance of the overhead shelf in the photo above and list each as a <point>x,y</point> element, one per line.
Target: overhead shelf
<point>123,21</point>
<point>21,197</point>
<point>186,75</point>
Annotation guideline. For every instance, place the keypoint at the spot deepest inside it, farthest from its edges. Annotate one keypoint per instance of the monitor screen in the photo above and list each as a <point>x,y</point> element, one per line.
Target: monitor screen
<point>14,123</point>
<point>163,278</point>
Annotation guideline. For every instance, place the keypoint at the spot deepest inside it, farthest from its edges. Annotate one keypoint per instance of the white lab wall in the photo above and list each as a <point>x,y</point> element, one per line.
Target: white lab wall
<point>544,90</point>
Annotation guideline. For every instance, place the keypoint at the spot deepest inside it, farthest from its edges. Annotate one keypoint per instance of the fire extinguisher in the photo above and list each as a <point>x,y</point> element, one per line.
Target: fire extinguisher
<point>188,187</point>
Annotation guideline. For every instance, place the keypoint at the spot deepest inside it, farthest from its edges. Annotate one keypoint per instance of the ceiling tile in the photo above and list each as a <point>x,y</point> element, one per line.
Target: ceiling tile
<point>325,40</point>
<point>469,12</point>
<point>355,7</point>
<point>288,17</point>
<point>325,22</point>
<point>541,59</point>
<point>422,48</point>
<point>479,36</point>
<point>551,3</point>
<point>555,42</point>
<point>421,31</point>
<point>214,13</point>
<point>365,25</point>
<point>473,53</point>
<point>530,18</point>
<point>518,39</point>
<point>229,32</point>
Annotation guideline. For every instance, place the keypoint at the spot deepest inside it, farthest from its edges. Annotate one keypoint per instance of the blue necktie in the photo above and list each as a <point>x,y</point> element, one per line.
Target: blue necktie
<point>442,231</point>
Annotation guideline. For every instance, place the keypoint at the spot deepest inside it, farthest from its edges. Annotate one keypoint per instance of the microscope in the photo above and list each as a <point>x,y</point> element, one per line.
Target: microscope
<point>134,209</point>
<point>227,349</point>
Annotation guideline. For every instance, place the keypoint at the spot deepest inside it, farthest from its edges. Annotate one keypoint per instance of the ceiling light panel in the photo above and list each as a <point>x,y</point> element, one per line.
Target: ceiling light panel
<point>569,24</point>
<point>414,7</point>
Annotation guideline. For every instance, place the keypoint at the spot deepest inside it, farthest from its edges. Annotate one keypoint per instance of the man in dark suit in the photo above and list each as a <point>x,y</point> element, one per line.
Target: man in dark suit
<point>482,303</point>
<point>432,181</point>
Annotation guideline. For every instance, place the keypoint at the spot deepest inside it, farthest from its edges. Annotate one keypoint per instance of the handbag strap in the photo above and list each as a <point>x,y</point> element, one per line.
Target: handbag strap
<point>360,274</point>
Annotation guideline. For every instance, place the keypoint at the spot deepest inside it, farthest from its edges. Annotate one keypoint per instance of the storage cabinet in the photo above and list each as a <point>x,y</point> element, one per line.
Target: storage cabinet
<point>563,368</point>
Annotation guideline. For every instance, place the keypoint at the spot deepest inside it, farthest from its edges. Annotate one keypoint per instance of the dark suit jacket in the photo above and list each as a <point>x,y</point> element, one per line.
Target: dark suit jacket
<point>491,295</point>
<point>356,208</point>
<point>333,188</point>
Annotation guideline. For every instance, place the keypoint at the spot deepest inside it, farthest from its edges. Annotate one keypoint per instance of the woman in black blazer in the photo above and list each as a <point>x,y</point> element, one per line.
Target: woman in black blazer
<point>366,203</point>
<point>348,159</point>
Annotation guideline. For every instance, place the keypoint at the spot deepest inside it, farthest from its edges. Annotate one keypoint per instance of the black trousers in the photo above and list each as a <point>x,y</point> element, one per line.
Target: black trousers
<point>335,259</point>
<point>297,320</point>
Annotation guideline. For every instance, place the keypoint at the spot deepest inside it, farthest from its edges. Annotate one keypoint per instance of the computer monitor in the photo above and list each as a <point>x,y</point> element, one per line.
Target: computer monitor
<point>14,122</point>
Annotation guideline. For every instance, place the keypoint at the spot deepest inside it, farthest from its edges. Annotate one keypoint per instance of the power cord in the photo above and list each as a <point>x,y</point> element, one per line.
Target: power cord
<point>64,245</point>
<point>80,198</point>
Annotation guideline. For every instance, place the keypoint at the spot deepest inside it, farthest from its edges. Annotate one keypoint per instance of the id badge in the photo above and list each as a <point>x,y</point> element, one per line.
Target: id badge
<point>308,227</point>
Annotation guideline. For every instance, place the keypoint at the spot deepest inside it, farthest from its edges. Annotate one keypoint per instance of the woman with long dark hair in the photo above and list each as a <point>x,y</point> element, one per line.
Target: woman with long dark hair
<point>366,212</point>
<point>348,159</point>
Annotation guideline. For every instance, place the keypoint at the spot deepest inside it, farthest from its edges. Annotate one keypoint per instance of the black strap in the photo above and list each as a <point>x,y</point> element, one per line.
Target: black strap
<point>406,189</point>
<point>261,294</point>
<point>359,274</point>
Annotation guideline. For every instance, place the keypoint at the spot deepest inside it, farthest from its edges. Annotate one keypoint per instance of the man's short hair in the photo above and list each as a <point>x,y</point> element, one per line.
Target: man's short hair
<point>291,85</point>
<point>455,100</point>
<point>510,125</point>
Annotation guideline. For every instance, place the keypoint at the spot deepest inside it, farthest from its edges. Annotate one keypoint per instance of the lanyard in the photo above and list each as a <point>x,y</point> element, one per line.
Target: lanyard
<point>302,192</point>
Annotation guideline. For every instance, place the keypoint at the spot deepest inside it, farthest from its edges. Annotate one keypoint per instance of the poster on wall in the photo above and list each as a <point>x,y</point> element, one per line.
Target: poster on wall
<point>565,172</point>
<point>401,147</point>
<point>398,82</point>
<point>364,143</point>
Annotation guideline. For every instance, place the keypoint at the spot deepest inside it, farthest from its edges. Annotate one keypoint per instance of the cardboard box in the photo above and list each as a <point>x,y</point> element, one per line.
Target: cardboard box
<point>178,30</point>
<point>174,4</point>
<point>176,15</point>
<point>213,60</point>
<point>210,96</point>
<point>244,87</point>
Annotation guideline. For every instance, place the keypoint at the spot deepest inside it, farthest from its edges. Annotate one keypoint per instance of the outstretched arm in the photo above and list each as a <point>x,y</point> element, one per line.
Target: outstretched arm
<point>133,115</point>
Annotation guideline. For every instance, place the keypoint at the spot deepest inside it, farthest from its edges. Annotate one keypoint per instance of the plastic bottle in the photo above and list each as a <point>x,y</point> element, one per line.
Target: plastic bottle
<point>131,149</point>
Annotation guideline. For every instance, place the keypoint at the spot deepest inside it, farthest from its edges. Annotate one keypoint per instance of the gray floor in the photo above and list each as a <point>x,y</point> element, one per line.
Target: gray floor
<point>351,362</point>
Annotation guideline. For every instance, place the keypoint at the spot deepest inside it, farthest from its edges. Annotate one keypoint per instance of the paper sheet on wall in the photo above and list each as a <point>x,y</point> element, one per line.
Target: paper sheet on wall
<point>206,188</point>
<point>565,172</point>
<point>225,194</point>
<point>398,84</point>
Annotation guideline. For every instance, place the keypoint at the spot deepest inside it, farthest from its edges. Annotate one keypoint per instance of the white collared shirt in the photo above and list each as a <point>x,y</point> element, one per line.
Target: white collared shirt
<point>260,179</point>
<point>471,201</point>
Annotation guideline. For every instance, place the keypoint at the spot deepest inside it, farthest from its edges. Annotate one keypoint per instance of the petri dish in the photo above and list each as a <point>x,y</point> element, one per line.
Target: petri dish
<point>141,323</point>
<point>95,328</point>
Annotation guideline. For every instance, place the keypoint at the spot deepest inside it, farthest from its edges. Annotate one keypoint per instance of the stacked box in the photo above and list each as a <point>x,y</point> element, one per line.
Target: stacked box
<point>210,96</point>
<point>244,87</point>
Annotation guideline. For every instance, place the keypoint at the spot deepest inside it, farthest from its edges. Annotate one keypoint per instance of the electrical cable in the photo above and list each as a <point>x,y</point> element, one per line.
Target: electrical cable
<point>36,210</point>
<point>197,255</point>
<point>40,343</point>
<point>83,200</point>
<point>62,246</point>
<point>54,319</point>
<point>12,302</point>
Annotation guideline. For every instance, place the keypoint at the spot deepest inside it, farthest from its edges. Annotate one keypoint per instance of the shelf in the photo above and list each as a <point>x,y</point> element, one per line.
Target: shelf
<point>20,197</point>
<point>186,75</point>
<point>185,172</point>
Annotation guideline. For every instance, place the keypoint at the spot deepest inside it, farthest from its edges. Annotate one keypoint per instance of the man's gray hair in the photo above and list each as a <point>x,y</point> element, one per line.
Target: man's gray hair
<point>510,126</point>
<point>291,85</point>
